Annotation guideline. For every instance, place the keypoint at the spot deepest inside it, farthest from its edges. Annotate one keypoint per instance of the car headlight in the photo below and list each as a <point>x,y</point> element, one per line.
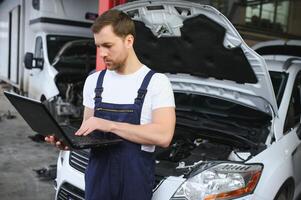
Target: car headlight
<point>222,181</point>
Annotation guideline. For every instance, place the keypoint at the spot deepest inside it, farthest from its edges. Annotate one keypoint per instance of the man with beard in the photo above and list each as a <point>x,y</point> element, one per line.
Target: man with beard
<point>126,100</point>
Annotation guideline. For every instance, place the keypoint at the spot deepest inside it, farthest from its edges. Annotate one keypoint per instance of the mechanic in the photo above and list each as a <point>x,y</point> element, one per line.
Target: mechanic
<point>126,100</point>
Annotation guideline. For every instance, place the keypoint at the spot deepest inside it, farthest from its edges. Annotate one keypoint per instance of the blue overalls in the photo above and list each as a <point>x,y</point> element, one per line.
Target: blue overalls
<point>122,171</point>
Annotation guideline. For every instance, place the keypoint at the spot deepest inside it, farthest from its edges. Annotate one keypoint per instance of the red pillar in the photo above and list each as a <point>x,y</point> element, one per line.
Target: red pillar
<point>104,5</point>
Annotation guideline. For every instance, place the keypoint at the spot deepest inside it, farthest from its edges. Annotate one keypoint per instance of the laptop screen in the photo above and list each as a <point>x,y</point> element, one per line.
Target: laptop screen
<point>35,114</point>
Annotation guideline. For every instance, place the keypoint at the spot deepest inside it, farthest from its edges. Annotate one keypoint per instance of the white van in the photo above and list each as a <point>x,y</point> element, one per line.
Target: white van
<point>32,57</point>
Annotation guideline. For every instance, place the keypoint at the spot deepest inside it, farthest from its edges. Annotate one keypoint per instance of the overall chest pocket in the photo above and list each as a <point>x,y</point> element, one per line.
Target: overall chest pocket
<point>128,115</point>
<point>114,110</point>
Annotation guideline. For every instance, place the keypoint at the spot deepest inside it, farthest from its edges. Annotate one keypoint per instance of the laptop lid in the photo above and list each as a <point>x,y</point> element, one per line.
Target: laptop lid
<point>36,115</point>
<point>40,120</point>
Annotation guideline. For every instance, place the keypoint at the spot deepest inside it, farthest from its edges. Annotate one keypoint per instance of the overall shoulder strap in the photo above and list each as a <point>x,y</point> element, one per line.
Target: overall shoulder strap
<point>143,88</point>
<point>99,89</point>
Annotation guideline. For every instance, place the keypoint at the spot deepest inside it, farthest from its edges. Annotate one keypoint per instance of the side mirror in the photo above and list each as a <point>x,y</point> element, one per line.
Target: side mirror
<point>39,63</point>
<point>28,59</point>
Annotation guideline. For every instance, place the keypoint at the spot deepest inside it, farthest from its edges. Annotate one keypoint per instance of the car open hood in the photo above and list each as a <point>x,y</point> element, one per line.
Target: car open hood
<point>198,42</point>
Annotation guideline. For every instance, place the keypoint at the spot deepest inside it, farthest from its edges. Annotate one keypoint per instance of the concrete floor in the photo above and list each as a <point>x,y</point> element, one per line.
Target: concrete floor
<point>19,156</point>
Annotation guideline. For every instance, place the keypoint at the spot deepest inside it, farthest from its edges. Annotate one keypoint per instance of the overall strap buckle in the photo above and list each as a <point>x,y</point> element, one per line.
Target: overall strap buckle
<point>143,88</point>
<point>99,89</point>
<point>141,94</point>
<point>98,92</point>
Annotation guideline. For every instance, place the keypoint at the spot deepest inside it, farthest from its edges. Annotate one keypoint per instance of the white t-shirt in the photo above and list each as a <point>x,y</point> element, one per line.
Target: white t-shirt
<point>122,89</point>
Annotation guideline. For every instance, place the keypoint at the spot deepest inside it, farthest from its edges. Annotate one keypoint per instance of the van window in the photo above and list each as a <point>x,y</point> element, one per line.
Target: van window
<point>39,48</point>
<point>56,42</point>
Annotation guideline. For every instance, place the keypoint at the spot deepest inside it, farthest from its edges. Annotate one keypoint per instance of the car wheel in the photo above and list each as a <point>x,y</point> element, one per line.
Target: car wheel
<point>285,193</point>
<point>282,196</point>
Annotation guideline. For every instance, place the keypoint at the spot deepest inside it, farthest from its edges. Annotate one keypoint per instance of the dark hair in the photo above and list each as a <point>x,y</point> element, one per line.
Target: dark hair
<point>122,24</point>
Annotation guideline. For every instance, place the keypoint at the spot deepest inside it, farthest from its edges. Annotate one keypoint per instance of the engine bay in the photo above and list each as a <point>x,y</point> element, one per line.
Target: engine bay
<point>74,61</point>
<point>189,149</point>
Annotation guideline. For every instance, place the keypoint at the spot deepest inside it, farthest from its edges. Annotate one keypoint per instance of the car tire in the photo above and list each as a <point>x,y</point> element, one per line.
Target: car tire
<point>286,192</point>
<point>282,195</point>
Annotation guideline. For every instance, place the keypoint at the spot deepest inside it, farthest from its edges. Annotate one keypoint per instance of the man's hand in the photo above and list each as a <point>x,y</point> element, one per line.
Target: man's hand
<point>159,132</point>
<point>94,123</point>
<point>54,141</point>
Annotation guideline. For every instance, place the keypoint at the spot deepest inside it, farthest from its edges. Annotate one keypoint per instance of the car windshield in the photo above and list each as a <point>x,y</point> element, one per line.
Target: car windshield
<point>56,42</point>
<point>285,50</point>
<point>279,80</point>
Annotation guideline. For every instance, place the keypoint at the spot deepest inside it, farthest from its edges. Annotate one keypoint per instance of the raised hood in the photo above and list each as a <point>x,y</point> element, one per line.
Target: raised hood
<point>199,43</point>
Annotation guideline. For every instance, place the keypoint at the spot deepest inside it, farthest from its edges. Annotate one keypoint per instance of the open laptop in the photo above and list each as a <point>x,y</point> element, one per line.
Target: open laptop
<point>40,120</point>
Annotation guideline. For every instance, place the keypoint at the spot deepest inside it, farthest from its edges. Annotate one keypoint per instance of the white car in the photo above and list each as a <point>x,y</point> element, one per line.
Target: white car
<point>238,119</point>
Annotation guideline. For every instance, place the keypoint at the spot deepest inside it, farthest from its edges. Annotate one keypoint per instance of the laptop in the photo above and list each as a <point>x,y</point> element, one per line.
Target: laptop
<point>40,120</point>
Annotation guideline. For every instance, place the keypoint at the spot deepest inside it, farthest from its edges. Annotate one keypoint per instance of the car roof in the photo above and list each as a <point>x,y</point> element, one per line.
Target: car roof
<point>282,65</point>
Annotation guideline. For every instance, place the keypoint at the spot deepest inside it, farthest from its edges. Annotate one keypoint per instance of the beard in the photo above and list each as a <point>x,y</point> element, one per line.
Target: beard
<point>115,65</point>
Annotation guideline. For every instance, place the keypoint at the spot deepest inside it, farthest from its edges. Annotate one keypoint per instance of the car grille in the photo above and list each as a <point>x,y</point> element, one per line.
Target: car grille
<point>79,160</point>
<point>70,192</point>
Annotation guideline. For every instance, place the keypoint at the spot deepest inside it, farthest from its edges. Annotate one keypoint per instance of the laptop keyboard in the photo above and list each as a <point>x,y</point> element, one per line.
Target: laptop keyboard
<point>92,138</point>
